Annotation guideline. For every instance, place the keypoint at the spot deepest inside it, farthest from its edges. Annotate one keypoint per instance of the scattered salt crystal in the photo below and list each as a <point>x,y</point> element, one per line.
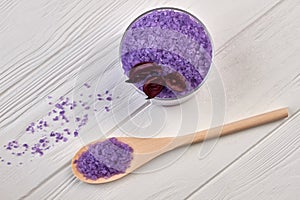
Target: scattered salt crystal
<point>75,133</point>
<point>108,98</point>
<point>87,85</point>
<point>49,137</point>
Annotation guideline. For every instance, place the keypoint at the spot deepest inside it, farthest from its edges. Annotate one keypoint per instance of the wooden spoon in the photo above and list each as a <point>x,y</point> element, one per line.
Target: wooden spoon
<point>146,149</point>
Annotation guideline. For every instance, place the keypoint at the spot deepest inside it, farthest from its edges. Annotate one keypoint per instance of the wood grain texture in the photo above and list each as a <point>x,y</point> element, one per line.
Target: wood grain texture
<point>253,67</point>
<point>233,146</point>
<point>59,76</point>
<point>60,28</point>
<point>70,39</point>
<point>268,171</point>
<point>232,62</point>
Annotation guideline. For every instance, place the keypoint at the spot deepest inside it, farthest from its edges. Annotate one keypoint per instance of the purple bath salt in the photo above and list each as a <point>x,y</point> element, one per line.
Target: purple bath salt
<point>109,99</point>
<point>105,159</point>
<point>173,39</point>
<point>54,128</point>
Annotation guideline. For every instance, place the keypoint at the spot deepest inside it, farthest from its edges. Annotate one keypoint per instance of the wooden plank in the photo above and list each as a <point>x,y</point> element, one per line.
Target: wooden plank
<point>44,67</point>
<point>58,156</point>
<point>46,58</point>
<point>59,74</point>
<point>270,170</point>
<point>258,52</point>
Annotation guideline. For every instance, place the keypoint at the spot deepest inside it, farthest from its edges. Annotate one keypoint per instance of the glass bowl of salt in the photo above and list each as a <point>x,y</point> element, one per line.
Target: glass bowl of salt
<point>166,53</point>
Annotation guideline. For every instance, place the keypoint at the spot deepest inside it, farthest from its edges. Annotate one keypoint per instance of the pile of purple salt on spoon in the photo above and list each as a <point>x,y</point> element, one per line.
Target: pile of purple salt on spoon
<point>104,159</point>
<point>170,38</point>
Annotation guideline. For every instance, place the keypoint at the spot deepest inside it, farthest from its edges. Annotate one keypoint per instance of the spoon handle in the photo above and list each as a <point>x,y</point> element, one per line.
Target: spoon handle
<point>240,125</point>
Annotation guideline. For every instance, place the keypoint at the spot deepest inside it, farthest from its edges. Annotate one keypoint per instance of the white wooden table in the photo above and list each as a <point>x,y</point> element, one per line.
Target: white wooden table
<point>54,47</point>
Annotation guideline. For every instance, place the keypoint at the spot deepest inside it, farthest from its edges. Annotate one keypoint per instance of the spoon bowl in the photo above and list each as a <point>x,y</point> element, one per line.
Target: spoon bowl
<point>146,149</point>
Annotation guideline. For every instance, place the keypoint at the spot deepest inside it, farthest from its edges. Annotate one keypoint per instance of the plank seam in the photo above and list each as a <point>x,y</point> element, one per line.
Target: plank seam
<point>223,170</point>
<point>145,105</point>
<point>51,176</point>
<point>218,51</point>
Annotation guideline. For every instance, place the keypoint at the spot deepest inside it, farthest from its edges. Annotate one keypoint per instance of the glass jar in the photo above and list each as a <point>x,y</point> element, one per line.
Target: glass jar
<point>178,43</point>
